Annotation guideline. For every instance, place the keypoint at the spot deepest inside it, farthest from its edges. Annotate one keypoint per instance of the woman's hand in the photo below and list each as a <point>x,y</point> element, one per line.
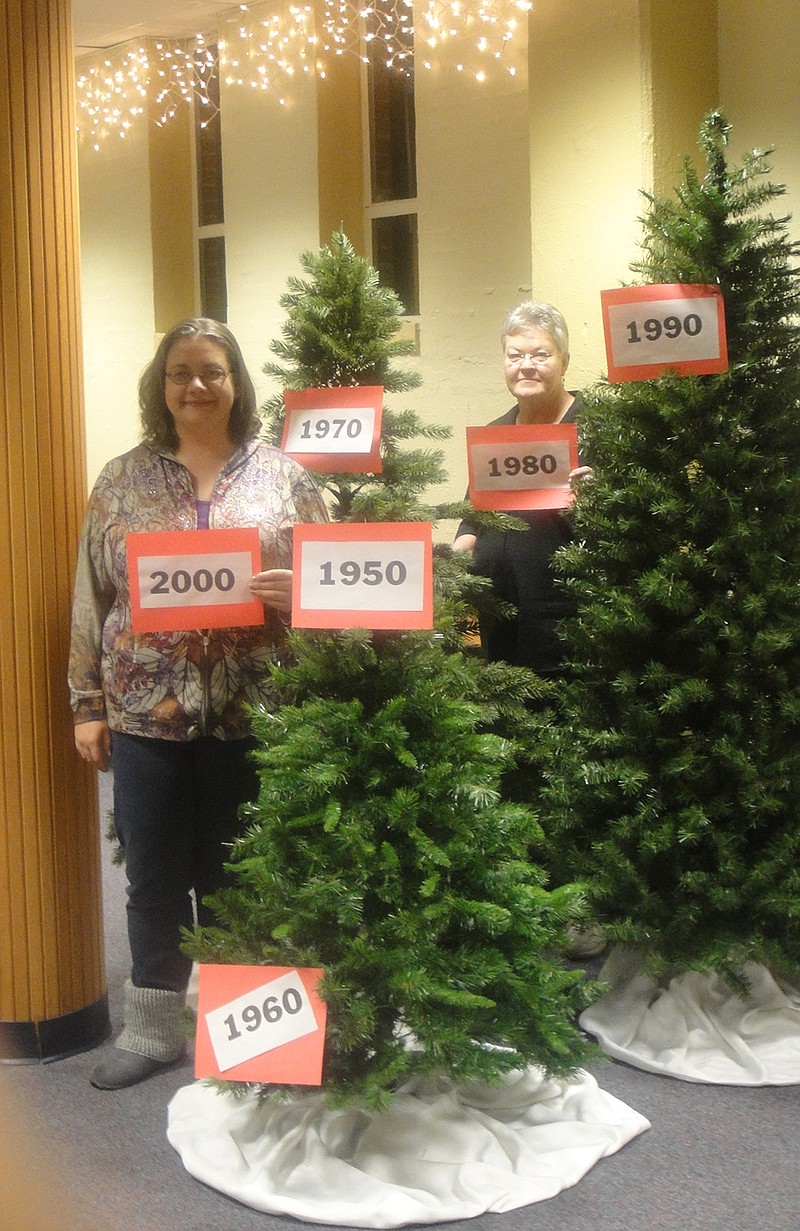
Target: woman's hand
<point>274,588</point>
<point>93,742</point>
<point>581,474</point>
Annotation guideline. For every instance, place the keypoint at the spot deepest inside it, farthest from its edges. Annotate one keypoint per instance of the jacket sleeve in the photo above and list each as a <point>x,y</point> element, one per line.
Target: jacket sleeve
<point>92,600</point>
<point>308,500</point>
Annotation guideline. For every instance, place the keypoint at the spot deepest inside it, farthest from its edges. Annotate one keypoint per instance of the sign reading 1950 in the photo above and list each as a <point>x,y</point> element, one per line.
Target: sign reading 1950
<point>363,575</point>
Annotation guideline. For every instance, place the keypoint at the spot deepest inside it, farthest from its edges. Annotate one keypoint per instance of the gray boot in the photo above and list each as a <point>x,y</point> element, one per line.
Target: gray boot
<point>151,1039</point>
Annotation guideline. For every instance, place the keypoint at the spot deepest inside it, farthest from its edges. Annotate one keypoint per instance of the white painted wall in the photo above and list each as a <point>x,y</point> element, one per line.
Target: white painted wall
<point>271,196</point>
<point>269,158</point>
<point>474,246</point>
<point>482,229</point>
<point>591,154</point>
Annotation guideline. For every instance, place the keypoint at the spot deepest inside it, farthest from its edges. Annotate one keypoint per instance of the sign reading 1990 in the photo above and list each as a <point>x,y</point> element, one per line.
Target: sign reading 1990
<point>668,327</point>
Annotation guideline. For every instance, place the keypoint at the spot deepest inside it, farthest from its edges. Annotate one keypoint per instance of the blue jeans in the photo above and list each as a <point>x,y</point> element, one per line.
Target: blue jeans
<point>176,806</point>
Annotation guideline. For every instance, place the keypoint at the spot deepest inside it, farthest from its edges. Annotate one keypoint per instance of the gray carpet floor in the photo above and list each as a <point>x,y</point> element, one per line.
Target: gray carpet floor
<point>715,1159</point>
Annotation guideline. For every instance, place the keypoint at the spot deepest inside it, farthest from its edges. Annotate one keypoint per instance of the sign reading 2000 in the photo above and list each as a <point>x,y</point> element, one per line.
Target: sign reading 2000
<point>193,579</point>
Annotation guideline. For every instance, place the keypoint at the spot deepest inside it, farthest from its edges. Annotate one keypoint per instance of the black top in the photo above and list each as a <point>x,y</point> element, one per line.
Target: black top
<point>520,564</point>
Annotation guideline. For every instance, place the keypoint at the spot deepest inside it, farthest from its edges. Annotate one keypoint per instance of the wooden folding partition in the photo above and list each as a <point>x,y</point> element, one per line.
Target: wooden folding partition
<point>52,978</point>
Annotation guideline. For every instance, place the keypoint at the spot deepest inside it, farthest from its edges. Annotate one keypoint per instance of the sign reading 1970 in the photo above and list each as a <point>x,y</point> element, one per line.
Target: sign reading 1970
<point>669,327</point>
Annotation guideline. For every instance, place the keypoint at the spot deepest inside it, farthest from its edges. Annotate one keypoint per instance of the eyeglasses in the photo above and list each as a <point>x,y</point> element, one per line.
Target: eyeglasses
<point>515,358</point>
<point>207,377</point>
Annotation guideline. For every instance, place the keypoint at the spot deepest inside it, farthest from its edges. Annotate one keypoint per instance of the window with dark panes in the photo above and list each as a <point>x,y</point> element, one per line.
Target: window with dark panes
<point>393,160</point>
<point>213,283</point>
<point>210,194</point>
<point>394,255</point>
<point>393,138</point>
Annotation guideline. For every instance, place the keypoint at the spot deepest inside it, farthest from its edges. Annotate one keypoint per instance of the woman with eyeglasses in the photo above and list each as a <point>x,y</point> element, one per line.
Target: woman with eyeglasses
<point>167,711</point>
<point>535,344</point>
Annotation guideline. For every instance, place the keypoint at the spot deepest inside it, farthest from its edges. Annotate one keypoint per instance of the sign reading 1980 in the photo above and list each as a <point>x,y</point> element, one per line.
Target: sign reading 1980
<point>521,466</point>
<point>669,327</point>
<point>362,575</point>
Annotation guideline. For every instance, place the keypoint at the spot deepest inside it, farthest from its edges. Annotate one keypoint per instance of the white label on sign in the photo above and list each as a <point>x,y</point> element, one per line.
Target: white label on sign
<point>195,580</point>
<point>345,429</point>
<point>664,331</point>
<point>387,575</point>
<point>275,1013</point>
<point>520,467</point>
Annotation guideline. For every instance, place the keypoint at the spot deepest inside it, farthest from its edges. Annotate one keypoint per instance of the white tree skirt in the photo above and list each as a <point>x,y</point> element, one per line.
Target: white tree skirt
<point>438,1153</point>
<point>696,1028</point>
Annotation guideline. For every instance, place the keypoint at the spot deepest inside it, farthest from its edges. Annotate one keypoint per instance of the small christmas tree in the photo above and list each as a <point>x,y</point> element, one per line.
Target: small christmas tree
<point>675,774</point>
<point>381,847</point>
<point>341,329</point>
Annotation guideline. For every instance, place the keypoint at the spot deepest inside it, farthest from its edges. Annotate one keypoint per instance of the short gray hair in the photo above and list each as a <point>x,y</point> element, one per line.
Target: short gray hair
<point>544,316</point>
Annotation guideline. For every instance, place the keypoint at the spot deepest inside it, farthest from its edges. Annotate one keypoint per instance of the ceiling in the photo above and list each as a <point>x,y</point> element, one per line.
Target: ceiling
<point>104,23</point>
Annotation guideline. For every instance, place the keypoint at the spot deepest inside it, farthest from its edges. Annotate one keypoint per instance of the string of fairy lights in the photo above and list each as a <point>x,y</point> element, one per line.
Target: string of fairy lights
<point>261,47</point>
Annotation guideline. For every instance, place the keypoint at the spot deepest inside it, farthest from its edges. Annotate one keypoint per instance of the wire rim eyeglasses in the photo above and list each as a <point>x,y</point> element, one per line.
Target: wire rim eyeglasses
<point>208,376</point>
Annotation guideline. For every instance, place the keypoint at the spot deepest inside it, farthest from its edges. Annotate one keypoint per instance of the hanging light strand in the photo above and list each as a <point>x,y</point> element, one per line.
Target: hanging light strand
<point>261,48</point>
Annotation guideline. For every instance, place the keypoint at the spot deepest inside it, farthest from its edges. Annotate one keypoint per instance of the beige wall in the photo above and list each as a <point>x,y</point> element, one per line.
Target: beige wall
<point>271,205</point>
<point>116,290</point>
<point>474,244</point>
<point>760,87</point>
<point>269,159</point>
<point>591,151</point>
<point>681,63</point>
<point>618,90</point>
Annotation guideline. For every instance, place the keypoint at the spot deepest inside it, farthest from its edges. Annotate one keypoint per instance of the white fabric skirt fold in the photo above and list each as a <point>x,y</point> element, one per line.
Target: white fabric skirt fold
<point>696,1027</point>
<point>437,1154</point>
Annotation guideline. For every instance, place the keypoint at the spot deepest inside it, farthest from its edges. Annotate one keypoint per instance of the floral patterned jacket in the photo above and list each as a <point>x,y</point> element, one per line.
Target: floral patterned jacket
<point>178,685</point>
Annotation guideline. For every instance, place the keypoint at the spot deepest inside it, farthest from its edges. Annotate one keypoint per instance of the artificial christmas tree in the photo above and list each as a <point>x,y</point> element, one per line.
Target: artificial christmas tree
<point>383,851</point>
<point>381,848</point>
<point>675,773</point>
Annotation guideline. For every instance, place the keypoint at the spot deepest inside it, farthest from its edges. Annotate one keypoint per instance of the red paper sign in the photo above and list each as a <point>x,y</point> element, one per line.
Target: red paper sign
<point>670,327</point>
<point>363,575</point>
<point>193,579</point>
<point>518,466</point>
<point>260,1023</point>
<point>334,430</point>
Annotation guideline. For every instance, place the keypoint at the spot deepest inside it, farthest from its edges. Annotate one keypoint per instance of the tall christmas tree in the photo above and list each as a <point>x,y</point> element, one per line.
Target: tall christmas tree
<point>381,847</point>
<point>675,774</point>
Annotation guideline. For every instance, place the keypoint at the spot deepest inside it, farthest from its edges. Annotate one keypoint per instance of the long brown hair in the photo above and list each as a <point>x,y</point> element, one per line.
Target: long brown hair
<point>158,427</point>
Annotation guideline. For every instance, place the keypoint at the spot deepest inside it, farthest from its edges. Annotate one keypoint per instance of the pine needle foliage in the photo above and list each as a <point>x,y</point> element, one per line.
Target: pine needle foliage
<point>381,850</point>
<point>341,328</point>
<point>676,771</point>
<point>382,847</point>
